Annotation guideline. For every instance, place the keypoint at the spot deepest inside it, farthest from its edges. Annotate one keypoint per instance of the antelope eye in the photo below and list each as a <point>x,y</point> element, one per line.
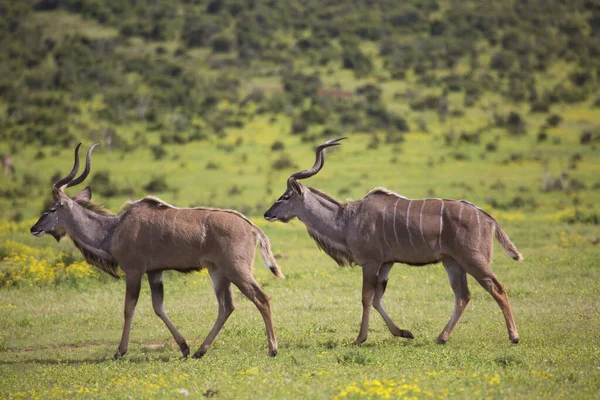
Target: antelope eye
<point>51,210</point>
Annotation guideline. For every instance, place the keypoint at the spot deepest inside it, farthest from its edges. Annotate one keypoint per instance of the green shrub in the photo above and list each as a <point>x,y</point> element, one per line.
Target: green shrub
<point>156,184</point>
<point>158,152</point>
<point>222,43</point>
<point>283,162</point>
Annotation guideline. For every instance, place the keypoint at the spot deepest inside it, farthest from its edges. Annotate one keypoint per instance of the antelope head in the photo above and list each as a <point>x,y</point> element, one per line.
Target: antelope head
<point>291,202</point>
<point>55,217</point>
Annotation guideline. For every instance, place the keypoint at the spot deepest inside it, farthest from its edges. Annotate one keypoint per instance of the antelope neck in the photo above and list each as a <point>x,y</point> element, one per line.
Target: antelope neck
<point>323,216</point>
<point>92,231</point>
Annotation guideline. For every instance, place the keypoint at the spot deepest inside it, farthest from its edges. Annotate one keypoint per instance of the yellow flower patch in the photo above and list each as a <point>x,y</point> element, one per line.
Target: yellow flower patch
<point>24,264</point>
<point>384,389</point>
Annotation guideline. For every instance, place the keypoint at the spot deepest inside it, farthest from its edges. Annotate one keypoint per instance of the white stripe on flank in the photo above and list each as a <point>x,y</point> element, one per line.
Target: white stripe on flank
<point>421,220</point>
<point>175,219</point>
<point>163,219</point>
<point>441,223</point>
<point>407,228</point>
<point>383,226</point>
<point>478,224</point>
<point>459,219</point>
<point>395,233</point>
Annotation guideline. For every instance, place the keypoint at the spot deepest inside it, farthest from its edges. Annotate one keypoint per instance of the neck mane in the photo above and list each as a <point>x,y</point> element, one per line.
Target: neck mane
<point>96,254</point>
<point>325,222</point>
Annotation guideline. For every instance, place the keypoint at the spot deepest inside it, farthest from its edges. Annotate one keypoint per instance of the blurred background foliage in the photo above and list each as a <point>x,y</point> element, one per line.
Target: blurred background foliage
<point>155,77</point>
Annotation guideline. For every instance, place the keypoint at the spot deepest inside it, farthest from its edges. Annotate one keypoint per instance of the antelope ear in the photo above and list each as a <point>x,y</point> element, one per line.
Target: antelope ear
<point>84,195</point>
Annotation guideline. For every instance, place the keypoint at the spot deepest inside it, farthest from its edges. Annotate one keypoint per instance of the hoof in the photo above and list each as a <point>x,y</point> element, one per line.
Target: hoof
<point>185,350</point>
<point>273,353</point>
<point>199,354</point>
<point>406,334</point>
<point>515,340</point>
<point>358,342</point>
<point>118,355</point>
<point>441,340</point>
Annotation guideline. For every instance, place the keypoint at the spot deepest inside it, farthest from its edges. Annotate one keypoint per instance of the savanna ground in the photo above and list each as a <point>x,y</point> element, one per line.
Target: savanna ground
<point>60,320</point>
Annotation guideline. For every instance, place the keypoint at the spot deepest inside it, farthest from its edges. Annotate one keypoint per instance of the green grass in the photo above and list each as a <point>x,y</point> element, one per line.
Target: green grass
<point>59,342</point>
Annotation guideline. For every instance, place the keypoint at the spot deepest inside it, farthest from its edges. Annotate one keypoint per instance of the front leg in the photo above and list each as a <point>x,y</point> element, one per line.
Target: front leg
<point>382,279</point>
<point>133,283</point>
<point>368,291</point>
<point>156,287</point>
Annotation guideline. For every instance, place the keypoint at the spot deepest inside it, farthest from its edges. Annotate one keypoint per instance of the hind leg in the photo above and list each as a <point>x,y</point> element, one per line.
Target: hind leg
<point>458,281</point>
<point>222,288</point>
<point>252,290</point>
<point>495,288</point>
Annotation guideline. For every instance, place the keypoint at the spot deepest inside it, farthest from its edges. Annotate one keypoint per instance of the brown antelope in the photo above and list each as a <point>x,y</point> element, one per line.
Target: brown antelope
<point>151,236</point>
<point>7,165</point>
<point>385,228</point>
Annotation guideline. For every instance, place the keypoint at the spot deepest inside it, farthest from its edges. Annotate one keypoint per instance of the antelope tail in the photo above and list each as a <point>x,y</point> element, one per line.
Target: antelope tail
<point>509,247</point>
<point>267,255</point>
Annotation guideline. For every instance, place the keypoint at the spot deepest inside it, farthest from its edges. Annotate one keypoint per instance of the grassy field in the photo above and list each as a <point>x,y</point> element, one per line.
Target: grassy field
<point>58,342</point>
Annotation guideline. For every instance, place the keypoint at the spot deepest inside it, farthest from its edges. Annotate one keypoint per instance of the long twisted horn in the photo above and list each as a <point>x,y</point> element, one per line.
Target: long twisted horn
<point>307,173</point>
<point>61,183</point>
<point>86,171</point>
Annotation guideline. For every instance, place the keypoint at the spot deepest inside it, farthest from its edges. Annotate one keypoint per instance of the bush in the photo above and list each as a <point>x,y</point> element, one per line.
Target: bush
<point>284,161</point>
<point>515,124</point>
<point>554,120</point>
<point>394,137</point>
<point>437,28</point>
<point>277,145</point>
<point>503,60</point>
<point>156,184</point>
<point>354,59</point>
<point>429,102</point>
<point>590,218</point>
<point>299,126</point>
<point>314,115</point>
<point>198,30</point>
<point>102,184</point>
<point>540,106</point>
<point>222,43</point>
<point>371,92</point>
<point>235,190</point>
<point>158,152</point>
<point>299,86</point>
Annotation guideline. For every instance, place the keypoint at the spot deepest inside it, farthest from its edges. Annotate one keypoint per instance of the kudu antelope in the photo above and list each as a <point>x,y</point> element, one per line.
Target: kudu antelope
<point>151,236</point>
<point>385,228</point>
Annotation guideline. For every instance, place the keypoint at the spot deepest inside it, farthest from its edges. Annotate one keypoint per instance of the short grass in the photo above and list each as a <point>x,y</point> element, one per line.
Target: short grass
<point>58,342</point>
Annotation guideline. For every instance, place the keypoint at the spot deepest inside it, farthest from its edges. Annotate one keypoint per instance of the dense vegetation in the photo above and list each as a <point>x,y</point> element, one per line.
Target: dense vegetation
<point>160,74</point>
